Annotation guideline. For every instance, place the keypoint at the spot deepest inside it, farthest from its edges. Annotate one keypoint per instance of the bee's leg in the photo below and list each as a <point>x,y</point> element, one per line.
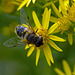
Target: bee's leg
<point>38,29</point>
<point>41,35</point>
<point>34,32</point>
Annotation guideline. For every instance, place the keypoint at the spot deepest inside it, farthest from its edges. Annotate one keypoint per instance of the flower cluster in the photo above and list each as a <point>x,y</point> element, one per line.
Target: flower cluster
<point>5,6</point>
<point>65,18</point>
<point>66,68</point>
<point>63,21</point>
<point>22,3</point>
<point>47,35</point>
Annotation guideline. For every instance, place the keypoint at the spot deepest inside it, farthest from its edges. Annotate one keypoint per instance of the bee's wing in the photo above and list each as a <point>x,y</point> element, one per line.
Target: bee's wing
<point>13,42</point>
<point>24,18</point>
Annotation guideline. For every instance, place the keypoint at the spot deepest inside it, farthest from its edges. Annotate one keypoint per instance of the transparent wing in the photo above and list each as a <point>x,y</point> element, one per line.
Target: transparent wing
<point>24,17</point>
<point>13,42</point>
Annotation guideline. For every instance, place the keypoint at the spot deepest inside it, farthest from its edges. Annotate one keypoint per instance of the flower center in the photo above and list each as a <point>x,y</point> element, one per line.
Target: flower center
<point>44,34</point>
<point>64,25</point>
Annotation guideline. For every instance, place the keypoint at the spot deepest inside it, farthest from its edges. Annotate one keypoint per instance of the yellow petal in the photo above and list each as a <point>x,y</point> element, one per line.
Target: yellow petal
<point>63,5</point>
<point>48,50</point>
<point>54,19</point>
<point>22,4</point>
<point>56,10</point>
<point>47,58</point>
<point>59,8</point>
<point>16,3</point>
<point>46,17</point>
<point>49,13</point>
<point>74,29</point>
<point>25,25</point>
<point>37,56</point>
<point>54,45</point>
<point>28,3</point>
<point>66,68</point>
<point>47,4</point>
<point>59,72</point>
<point>30,51</point>
<point>70,39</point>
<point>52,28</point>
<point>33,1</point>
<point>19,0</point>
<point>27,46</point>
<point>35,18</point>
<point>74,70</point>
<point>66,3</point>
<point>55,38</point>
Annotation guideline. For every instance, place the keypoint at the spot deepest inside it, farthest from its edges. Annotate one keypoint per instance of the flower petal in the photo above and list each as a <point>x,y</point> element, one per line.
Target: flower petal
<point>56,10</point>
<point>47,4</point>
<point>22,4</point>
<point>56,38</point>
<point>52,28</point>
<point>28,3</point>
<point>19,0</point>
<point>74,70</point>
<point>54,45</point>
<point>16,3</point>
<point>46,17</point>
<point>59,72</point>
<point>70,39</point>
<point>66,68</point>
<point>27,46</point>
<point>25,25</point>
<point>54,19</point>
<point>49,53</point>
<point>37,56</point>
<point>47,58</point>
<point>35,18</point>
<point>63,5</point>
<point>30,51</point>
<point>33,1</point>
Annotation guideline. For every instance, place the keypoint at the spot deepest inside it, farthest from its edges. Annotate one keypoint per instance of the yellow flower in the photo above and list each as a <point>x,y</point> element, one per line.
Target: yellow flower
<point>66,68</point>
<point>7,6</point>
<point>66,18</point>
<point>49,3</point>
<point>47,35</point>
<point>21,3</point>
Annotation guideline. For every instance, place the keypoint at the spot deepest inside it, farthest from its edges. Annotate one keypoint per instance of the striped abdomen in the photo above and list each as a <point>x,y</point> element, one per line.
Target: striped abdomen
<point>34,39</point>
<point>21,31</point>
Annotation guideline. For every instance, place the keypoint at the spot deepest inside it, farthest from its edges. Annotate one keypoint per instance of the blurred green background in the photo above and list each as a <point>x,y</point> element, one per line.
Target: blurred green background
<point>14,61</point>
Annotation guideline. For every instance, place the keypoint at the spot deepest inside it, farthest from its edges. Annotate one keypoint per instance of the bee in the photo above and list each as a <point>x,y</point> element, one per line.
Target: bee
<point>26,35</point>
